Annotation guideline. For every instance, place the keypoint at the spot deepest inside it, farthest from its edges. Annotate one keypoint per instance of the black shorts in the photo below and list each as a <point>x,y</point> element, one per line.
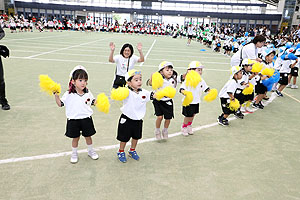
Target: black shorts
<point>76,126</point>
<point>239,96</point>
<point>260,88</point>
<point>129,128</point>
<point>209,42</point>
<point>225,106</point>
<point>294,71</point>
<point>191,110</point>
<point>283,78</point>
<point>164,108</point>
<point>190,36</point>
<point>227,48</point>
<point>119,81</point>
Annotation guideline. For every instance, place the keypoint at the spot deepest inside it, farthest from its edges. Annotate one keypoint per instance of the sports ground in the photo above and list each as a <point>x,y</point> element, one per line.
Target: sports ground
<point>253,158</point>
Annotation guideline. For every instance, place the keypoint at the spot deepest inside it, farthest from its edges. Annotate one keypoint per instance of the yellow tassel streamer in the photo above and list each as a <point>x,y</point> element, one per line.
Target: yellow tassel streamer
<point>192,78</point>
<point>268,72</point>
<point>212,95</point>
<point>48,85</point>
<point>248,90</point>
<point>119,94</point>
<point>103,104</point>
<point>188,98</point>
<point>166,92</point>
<point>157,81</point>
<point>257,67</point>
<point>234,105</point>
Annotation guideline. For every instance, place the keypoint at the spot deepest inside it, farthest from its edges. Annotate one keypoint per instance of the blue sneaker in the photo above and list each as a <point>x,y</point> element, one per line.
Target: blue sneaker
<point>133,155</point>
<point>122,157</point>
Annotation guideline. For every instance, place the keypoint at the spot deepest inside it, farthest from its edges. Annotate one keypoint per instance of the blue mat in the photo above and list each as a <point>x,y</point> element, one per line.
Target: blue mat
<point>202,50</point>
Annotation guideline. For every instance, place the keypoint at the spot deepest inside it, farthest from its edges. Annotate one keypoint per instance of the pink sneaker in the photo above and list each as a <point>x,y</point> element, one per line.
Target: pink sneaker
<point>157,134</point>
<point>190,130</point>
<point>165,134</point>
<point>185,131</point>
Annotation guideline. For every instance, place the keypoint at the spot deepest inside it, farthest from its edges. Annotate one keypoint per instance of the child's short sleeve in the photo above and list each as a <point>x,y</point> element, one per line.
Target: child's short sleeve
<point>64,97</point>
<point>231,86</point>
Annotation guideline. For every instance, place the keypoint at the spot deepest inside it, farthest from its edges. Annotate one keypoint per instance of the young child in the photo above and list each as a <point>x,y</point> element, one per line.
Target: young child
<point>294,73</point>
<point>227,94</point>
<point>125,62</point>
<point>133,111</point>
<point>164,107</point>
<point>77,101</point>
<point>285,69</point>
<point>191,110</point>
<point>243,83</point>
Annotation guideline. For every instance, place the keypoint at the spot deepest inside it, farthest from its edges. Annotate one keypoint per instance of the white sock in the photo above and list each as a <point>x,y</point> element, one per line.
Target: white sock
<point>74,150</point>
<point>165,129</point>
<point>90,147</point>
<point>157,129</point>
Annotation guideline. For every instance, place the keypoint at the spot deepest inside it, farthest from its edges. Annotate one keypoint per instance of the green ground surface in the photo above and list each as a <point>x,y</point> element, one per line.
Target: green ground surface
<point>254,158</point>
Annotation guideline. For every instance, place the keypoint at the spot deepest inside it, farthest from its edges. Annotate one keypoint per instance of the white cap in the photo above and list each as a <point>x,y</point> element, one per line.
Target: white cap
<point>75,68</point>
<point>234,70</point>
<point>131,73</point>
<point>164,64</point>
<point>195,64</point>
<point>247,61</point>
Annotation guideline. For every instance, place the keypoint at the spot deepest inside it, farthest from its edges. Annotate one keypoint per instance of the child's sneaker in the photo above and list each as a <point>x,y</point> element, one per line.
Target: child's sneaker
<point>157,134</point>
<point>239,114</point>
<point>222,121</point>
<point>243,109</point>
<point>122,157</point>
<point>133,155</point>
<point>257,105</point>
<point>279,93</point>
<point>190,130</point>
<point>249,110</point>
<point>185,131</point>
<point>93,155</point>
<point>165,133</point>
<point>74,158</point>
<point>289,86</point>
<point>294,86</point>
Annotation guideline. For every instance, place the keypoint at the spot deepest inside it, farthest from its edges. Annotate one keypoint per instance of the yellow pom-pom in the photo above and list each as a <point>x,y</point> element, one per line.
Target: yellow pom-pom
<point>268,72</point>
<point>166,92</point>
<point>119,94</point>
<point>103,104</point>
<point>192,78</point>
<point>234,105</point>
<point>48,85</point>
<point>188,98</point>
<point>212,95</point>
<point>257,67</point>
<point>248,90</point>
<point>157,81</point>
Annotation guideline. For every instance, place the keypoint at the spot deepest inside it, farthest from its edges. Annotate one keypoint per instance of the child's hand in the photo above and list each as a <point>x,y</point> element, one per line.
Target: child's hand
<point>112,46</point>
<point>139,46</point>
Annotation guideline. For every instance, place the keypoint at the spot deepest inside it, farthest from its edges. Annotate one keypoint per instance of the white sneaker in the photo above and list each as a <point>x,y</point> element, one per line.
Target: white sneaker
<point>185,131</point>
<point>93,155</point>
<point>249,110</point>
<point>74,158</point>
<point>243,109</point>
<point>294,86</point>
<point>190,130</point>
<point>289,86</point>
<point>157,134</point>
<point>165,134</point>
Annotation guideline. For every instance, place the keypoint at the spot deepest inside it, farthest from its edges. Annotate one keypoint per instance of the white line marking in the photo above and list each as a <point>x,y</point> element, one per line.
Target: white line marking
<point>55,155</point>
<point>148,52</point>
<point>33,56</point>
<point>34,38</point>
<point>108,63</point>
<point>291,97</point>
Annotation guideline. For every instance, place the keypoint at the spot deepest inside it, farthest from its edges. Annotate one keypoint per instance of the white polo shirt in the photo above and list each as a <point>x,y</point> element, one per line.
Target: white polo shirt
<point>134,106</point>
<point>78,107</point>
<point>197,92</point>
<point>248,51</point>
<point>122,64</point>
<point>230,86</point>
<point>285,67</point>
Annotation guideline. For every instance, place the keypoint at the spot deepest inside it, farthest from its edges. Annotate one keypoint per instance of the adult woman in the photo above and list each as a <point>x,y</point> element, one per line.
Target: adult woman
<point>125,61</point>
<point>249,51</point>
